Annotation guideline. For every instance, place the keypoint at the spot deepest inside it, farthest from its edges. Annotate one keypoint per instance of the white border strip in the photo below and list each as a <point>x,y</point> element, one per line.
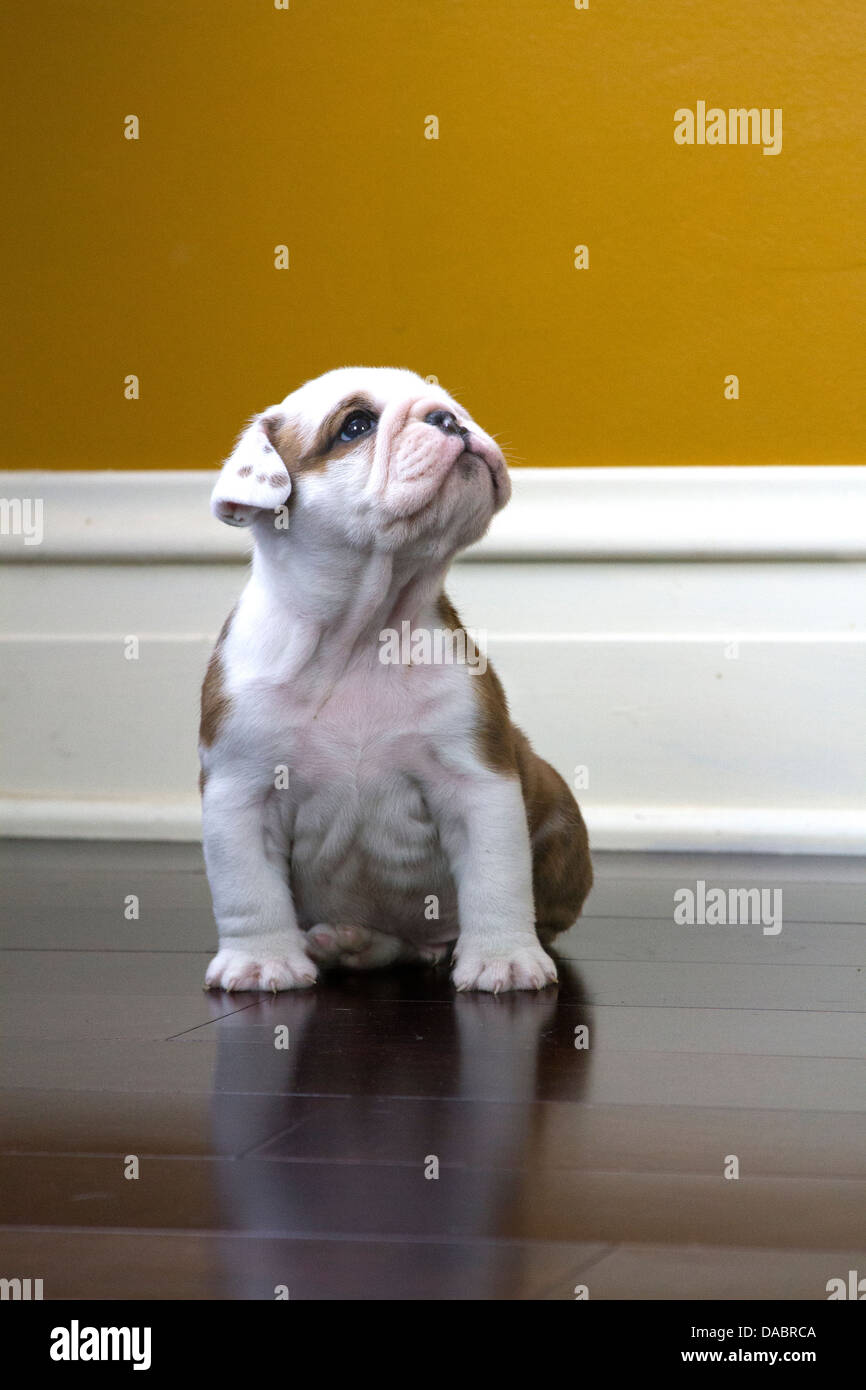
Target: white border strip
<point>556,513</point>
<point>744,829</point>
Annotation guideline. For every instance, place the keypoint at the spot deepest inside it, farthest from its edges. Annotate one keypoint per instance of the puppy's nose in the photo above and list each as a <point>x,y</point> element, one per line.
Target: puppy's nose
<point>446,422</point>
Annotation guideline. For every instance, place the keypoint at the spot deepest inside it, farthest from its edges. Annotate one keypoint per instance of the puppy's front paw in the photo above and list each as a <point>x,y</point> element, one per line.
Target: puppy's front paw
<point>497,968</point>
<point>239,970</point>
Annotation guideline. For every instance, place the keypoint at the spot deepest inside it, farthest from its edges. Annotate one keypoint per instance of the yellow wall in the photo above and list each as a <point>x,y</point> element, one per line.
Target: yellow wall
<point>455,256</point>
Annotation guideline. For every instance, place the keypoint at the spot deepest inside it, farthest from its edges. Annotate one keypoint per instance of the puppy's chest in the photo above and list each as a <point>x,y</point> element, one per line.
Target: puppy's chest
<point>360,766</point>
<point>362,729</point>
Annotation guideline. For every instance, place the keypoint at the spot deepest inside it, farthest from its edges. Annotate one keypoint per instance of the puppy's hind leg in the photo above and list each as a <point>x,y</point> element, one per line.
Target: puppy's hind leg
<point>362,948</point>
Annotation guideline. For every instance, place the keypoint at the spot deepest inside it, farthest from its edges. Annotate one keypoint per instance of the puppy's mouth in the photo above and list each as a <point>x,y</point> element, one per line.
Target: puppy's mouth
<point>468,462</point>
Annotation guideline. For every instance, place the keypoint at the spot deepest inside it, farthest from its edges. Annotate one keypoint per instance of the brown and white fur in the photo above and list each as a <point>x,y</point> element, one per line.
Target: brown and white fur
<point>358,813</point>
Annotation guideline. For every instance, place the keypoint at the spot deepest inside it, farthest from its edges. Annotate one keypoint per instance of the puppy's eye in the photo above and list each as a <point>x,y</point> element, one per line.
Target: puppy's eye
<point>358,423</point>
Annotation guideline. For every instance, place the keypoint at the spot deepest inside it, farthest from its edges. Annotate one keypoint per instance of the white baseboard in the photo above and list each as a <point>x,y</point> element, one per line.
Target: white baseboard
<point>733,829</point>
<point>555,514</point>
<point>736,829</point>
<point>70,819</point>
<point>692,639</point>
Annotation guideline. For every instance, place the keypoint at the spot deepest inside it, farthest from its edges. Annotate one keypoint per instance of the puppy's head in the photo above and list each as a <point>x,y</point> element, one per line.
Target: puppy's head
<point>373,457</point>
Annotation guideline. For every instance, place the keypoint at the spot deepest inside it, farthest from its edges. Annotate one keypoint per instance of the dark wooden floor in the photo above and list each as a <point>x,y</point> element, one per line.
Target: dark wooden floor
<point>557,1166</point>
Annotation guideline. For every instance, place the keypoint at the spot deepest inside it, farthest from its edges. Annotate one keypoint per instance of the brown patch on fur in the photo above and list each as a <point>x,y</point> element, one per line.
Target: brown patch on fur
<point>215,703</point>
<point>288,441</point>
<point>561,864</point>
<point>447,613</point>
<point>299,455</point>
<point>494,732</point>
<point>325,445</point>
<point>496,746</point>
<point>245,471</point>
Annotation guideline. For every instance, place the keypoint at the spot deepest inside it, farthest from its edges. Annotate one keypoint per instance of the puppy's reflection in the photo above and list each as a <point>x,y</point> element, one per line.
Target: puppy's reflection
<point>405,1135</point>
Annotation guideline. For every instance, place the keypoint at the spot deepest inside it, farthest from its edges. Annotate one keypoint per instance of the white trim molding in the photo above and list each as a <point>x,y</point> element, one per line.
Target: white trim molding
<point>698,829</point>
<point>555,513</point>
<point>686,645</point>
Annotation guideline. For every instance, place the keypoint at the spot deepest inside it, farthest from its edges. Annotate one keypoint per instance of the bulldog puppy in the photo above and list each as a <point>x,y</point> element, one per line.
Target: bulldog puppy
<point>358,811</point>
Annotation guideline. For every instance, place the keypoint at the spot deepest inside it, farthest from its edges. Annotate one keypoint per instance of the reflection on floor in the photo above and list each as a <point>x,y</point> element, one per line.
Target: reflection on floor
<point>381,1138</point>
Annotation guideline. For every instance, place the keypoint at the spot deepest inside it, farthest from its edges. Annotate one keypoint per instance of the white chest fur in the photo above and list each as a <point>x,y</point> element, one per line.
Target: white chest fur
<point>356,758</point>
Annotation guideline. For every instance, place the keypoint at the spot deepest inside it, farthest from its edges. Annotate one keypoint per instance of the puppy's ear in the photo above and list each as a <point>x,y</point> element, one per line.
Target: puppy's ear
<point>254,477</point>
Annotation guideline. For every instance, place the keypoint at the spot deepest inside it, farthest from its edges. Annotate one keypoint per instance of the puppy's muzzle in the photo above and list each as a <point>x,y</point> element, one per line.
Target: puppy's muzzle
<point>448,424</point>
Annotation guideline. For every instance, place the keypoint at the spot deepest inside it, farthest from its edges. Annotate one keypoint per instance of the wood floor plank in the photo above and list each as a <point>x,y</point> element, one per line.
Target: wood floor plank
<point>611,1028</point>
<point>182,1123</point>
<point>108,1265</point>
<point>684,984</point>
<point>112,1017</point>
<point>688,1272</point>
<point>383,1200</point>
<point>375,1129</point>
<point>606,1138</point>
<point>623,1078</point>
<point>654,897</point>
<point>691,984</point>
<point>648,939</point>
<point>87,911</point>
